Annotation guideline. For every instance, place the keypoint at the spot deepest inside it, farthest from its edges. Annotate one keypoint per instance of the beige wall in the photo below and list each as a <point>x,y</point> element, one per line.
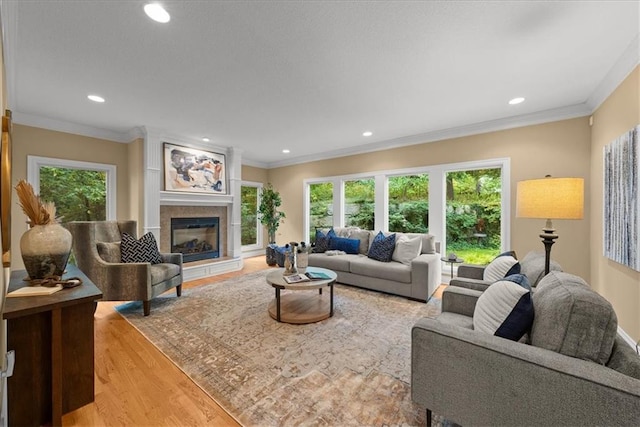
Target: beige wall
<point>251,173</point>
<point>46,143</point>
<point>560,148</point>
<point>617,283</point>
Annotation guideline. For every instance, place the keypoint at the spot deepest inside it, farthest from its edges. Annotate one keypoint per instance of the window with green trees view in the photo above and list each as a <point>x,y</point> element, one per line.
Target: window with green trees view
<point>474,200</point>
<point>320,207</point>
<point>409,203</point>
<point>359,203</point>
<point>79,195</point>
<point>249,213</point>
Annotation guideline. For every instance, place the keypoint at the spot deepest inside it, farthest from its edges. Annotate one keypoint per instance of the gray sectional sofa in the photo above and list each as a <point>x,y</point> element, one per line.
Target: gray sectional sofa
<point>572,369</point>
<point>417,281</point>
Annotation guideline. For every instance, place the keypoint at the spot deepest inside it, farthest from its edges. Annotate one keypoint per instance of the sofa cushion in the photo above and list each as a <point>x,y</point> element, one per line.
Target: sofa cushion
<point>350,246</point>
<point>322,241</point>
<point>109,251</point>
<point>505,309</point>
<point>501,267</point>
<point>363,236</point>
<point>382,247</point>
<point>335,263</point>
<point>406,249</point>
<point>144,249</point>
<point>393,271</point>
<point>532,266</point>
<point>428,241</point>
<point>572,319</point>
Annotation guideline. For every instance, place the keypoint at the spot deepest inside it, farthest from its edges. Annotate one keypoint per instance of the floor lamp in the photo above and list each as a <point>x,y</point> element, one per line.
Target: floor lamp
<point>550,198</point>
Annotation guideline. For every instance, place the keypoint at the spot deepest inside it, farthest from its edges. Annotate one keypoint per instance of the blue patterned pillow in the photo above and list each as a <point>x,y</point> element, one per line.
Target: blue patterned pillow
<point>349,246</point>
<point>143,250</point>
<point>382,247</point>
<point>322,241</point>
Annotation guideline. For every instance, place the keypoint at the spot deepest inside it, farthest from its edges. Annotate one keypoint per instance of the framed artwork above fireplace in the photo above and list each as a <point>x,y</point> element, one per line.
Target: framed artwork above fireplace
<point>192,170</point>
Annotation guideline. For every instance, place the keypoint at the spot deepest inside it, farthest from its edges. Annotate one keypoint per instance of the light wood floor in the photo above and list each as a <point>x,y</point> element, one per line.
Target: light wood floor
<point>136,385</point>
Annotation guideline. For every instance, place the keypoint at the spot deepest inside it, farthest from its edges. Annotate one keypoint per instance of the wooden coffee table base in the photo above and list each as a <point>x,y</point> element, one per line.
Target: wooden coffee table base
<point>302,307</point>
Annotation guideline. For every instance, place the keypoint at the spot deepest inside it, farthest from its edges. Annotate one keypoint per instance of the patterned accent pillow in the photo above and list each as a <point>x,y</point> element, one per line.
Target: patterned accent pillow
<point>382,247</point>
<point>501,267</point>
<point>143,250</point>
<point>505,309</point>
<point>322,241</point>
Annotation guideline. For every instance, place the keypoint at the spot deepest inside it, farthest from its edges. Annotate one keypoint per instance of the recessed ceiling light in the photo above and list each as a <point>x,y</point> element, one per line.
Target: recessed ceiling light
<point>206,139</point>
<point>286,151</point>
<point>515,101</point>
<point>367,133</point>
<point>157,13</point>
<point>96,98</point>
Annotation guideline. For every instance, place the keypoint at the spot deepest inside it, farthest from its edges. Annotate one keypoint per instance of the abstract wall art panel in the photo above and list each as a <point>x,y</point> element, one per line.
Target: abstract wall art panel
<point>622,199</point>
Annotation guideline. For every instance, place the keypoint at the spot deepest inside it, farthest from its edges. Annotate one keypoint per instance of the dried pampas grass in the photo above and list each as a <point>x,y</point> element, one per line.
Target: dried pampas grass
<point>39,213</point>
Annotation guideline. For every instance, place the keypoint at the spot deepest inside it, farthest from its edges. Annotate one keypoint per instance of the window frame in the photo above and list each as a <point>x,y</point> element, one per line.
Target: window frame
<point>259,227</point>
<point>34,163</point>
<point>437,196</point>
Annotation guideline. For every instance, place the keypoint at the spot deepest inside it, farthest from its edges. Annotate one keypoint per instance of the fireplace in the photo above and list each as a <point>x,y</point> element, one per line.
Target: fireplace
<point>196,238</point>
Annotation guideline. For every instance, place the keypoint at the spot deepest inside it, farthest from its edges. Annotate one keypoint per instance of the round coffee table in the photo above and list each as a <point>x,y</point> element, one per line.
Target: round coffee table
<point>301,307</point>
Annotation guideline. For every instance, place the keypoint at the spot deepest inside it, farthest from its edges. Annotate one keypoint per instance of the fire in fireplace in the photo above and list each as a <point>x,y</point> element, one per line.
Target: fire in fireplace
<point>196,238</point>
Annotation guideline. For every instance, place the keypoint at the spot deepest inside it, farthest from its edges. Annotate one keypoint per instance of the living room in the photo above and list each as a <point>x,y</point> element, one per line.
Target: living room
<point>564,141</point>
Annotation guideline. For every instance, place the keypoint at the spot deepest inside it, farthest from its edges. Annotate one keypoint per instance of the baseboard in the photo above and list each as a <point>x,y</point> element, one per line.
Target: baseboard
<point>627,338</point>
<point>251,254</point>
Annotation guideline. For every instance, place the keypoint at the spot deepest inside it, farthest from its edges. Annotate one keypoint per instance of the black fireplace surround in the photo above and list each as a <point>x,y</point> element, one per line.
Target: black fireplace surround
<point>196,238</point>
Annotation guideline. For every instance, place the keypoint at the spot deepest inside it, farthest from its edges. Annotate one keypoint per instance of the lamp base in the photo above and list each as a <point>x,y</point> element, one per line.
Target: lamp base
<point>548,239</point>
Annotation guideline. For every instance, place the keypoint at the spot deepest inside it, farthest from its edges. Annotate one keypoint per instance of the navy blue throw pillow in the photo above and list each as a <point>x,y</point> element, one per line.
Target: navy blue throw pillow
<point>322,241</point>
<point>349,246</point>
<point>382,247</point>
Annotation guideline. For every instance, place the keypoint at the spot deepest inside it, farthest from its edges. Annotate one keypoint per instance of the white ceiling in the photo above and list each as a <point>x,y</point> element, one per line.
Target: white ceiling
<point>312,76</point>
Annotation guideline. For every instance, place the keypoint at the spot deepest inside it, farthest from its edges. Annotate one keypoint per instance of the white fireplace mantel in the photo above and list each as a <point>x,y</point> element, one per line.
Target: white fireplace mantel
<point>194,199</point>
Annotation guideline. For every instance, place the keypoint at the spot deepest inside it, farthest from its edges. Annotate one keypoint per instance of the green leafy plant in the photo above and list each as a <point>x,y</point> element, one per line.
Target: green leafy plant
<point>268,211</point>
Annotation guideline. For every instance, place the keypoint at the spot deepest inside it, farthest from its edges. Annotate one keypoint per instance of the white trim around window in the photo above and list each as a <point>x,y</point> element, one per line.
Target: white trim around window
<point>257,248</point>
<point>34,163</point>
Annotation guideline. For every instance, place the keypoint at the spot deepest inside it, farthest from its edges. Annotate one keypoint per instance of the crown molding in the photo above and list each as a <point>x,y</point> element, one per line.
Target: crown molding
<point>627,62</point>
<point>69,127</point>
<point>547,116</point>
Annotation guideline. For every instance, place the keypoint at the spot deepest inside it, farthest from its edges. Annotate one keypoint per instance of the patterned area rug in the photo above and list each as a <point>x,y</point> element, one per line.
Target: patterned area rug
<point>351,369</point>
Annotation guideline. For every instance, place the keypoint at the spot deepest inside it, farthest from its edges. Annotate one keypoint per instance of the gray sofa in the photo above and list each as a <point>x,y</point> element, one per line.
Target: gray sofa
<point>571,369</point>
<point>417,281</point>
<point>532,266</point>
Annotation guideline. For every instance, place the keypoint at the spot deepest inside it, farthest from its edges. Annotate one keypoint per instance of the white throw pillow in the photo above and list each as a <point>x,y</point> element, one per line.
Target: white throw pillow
<point>407,249</point>
<point>505,308</point>
<point>500,268</point>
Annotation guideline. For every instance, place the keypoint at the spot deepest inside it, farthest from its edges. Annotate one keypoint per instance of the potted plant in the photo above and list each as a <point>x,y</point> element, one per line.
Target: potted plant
<point>271,218</point>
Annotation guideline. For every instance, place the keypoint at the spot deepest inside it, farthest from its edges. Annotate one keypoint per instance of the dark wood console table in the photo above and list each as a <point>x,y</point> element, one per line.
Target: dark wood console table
<point>53,340</point>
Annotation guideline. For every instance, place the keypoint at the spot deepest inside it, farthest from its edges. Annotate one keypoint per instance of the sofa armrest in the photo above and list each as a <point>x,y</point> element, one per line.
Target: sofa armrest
<point>426,275</point>
<point>460,300</point>
<point>471,271</point>
<point>475,284</point>
<point>172,258</point>
<point>479,379</point>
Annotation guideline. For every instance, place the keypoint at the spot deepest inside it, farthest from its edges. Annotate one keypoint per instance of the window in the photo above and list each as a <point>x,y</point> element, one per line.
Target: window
<point>250,224</point>
<point>474,214</point>
<point>359,203</point>
<point>81,191</point>
<point>320,207</point>
<point>409,203</point>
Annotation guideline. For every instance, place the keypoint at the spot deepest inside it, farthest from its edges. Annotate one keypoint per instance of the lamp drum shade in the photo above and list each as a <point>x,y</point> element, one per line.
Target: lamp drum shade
<point>551,198</point>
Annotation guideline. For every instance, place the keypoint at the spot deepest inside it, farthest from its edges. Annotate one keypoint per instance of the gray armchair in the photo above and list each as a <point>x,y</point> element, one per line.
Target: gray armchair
<point>474,378</point>
<point>96,247</point>
<point>532,266</point>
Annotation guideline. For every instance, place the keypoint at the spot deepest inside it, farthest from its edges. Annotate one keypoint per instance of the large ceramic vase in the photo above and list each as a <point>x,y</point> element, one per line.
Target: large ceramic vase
<point>45,250</point>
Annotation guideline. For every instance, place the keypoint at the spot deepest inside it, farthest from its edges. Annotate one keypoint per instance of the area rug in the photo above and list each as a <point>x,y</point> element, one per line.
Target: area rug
<point>351,369</point>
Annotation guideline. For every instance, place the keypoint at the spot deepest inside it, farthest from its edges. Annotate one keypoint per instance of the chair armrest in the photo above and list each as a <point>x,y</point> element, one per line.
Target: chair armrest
<point>479,379</point>
<point>471,271</point>
<point>475,284</point>
<point>123,281</point>
<point>460,300</point>
<point>172,258</point>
